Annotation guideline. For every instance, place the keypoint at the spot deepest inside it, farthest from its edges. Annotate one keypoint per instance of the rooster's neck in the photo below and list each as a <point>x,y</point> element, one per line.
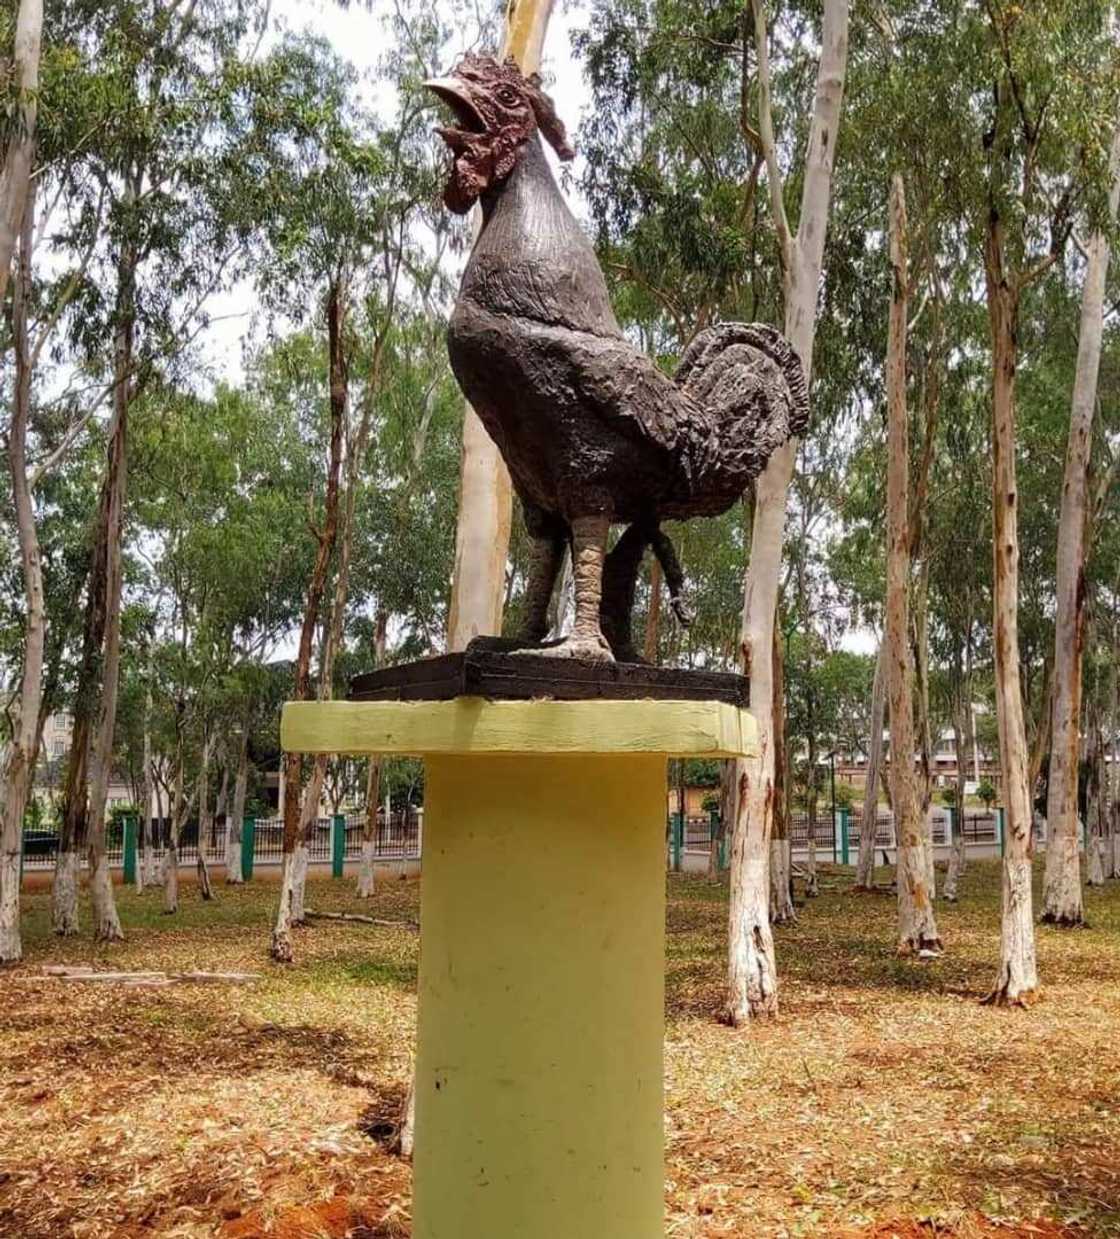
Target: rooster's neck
<point>532,259</point>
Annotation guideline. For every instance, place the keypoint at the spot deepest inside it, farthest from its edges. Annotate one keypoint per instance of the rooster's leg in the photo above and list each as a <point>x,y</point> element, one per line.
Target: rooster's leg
<point>546,557</point>
<point>589,549</point>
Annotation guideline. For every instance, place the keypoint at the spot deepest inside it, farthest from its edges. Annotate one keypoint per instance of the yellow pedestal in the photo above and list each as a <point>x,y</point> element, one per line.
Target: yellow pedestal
<point>539,1060</point>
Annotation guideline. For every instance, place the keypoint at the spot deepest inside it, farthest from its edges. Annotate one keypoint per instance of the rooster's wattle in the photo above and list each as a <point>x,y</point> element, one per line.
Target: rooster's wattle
<point>592,432</point>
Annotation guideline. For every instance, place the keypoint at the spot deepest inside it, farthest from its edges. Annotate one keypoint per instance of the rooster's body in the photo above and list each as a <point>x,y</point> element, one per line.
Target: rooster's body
<point>592,432</point>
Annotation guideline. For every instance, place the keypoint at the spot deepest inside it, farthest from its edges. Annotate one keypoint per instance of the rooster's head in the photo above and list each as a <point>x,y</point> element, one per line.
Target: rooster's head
<point>497,111</point>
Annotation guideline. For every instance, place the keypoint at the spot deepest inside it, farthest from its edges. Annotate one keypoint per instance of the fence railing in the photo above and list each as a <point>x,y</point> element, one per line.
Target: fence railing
<point>337,840</point>
<point>838,835</point>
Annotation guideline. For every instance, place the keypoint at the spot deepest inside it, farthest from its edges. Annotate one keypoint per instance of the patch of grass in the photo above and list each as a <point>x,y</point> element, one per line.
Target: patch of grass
<point>883,1100</point>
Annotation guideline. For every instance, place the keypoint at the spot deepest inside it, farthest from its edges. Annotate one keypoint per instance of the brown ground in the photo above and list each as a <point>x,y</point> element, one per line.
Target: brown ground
<point>884,1102</point>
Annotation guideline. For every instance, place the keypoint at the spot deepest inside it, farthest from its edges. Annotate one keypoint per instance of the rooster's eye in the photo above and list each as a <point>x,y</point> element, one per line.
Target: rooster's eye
<point>507,94</point>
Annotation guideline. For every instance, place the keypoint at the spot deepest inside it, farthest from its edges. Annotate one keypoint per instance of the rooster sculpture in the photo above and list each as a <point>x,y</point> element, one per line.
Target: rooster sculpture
<point>593,433</point>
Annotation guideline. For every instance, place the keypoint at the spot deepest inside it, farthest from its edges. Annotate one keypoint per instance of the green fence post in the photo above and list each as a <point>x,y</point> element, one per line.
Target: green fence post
<point>338,845</point>
<point>129,857</point>
<point>845,837</point>
<point>678,840</point>
<point>22,849</point>
<point>248,844</point>
<point>1001,820</point>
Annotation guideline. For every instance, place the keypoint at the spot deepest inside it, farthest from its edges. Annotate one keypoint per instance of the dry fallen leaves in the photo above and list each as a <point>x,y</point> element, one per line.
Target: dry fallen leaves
<point>884,1101</point>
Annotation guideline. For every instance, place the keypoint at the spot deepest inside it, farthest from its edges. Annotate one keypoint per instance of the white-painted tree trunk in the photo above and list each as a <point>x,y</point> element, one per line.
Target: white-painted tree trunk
<point>298,896</point>
<point>308,822</point>
<point>11,946</point>
<point>17,771</point>
<point>1017,978</point>
<point>865,865</point>
<point>171,873</point>
<point>1061,892</point>
<point>281,947</point>
<point>956,866</point>
<point>236,818</point>
<point>64,893</point>
<point>917,927</point>
<point>752,970</point>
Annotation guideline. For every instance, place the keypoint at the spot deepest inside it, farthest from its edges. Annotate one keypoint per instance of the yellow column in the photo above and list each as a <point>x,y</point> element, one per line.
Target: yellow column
<point>538,1074</point>
<point>539,1067</point>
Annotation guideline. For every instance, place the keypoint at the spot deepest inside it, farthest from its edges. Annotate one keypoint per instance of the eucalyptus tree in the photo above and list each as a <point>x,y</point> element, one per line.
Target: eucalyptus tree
<point>23,106</point>
<point>141,164</point>
<point>675,158</point>
<point>1051,80</point>
<point>1062,903</point>
<point>346,195</point>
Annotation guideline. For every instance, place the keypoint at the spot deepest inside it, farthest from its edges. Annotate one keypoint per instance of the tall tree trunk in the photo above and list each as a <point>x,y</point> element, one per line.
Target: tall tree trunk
<point>90,748</point>
<point>812,888</point>
<point>106,923</point>
<point>726,816</point>
<point>281,944</point>
<point>1094,809</point>
<point>869,822</point>
<point>145,861</point>
<point>924,787</point>
<point>373,779</point>
<point>234,823</point>
<point>781,868</point>
<point>485,497</point>
<point>752,969</point>
<point>965,738</point>
<point>917,927</point>
<point>15,176</point>
<point>1112,861</point>
<point>205,820</point>
<point>1061,894</point>
<point>18,770</point>
<point>1017,979</point>
<point>178,812</point>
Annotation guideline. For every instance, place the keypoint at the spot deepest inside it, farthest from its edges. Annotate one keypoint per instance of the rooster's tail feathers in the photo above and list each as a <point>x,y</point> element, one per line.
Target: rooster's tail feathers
<point>750,372</point>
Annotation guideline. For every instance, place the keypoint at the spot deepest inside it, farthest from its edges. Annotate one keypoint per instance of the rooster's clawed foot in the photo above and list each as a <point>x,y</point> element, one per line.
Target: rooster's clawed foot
<point>587,649</point>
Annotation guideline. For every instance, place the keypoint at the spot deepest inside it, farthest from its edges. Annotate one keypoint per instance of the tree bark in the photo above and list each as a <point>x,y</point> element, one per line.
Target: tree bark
<point>1017,979</point>
<point>15,177</point>
<point>917,927</point>
<point>107,926</point>
<point>1061,894</point>
<point>144,824</point>
<point>1112,791</point>
<point>962,730</point>
<point>782,911</point>
<point>18,770</point>
<point>865,865</point>
<point>373,779</point>
<point>91,748</point>
<point>234,823</point>
<point>752,969</point>
<point>178,813</point>
<point>281,943</point>
<point>485,496</point>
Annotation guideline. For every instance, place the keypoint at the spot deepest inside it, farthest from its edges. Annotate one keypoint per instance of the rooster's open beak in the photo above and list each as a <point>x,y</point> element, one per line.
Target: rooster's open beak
<point>457,95</point>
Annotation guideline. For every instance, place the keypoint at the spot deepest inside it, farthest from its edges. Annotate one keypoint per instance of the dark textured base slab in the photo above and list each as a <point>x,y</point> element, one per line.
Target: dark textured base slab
<point>502,676</point>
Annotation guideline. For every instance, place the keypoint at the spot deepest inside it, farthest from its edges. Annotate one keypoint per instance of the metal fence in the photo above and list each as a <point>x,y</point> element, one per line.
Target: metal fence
<point>396,836</point>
